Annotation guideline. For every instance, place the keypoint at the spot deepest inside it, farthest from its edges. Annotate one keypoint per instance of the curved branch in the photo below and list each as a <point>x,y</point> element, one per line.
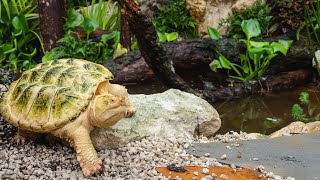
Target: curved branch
<point>154,54</point>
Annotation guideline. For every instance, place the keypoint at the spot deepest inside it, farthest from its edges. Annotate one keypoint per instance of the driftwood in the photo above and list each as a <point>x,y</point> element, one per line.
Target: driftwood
<point>198,53</point>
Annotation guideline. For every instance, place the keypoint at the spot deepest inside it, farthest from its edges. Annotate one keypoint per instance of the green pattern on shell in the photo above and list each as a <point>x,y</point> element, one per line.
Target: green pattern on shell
<point>52,94</point>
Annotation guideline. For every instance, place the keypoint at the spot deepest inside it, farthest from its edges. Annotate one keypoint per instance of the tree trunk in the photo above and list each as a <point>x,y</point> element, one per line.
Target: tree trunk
<point>154,54</point>
<point>51,21</point>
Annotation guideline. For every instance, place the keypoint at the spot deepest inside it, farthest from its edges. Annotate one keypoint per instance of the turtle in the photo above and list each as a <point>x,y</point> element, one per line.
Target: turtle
<point>67,98</point>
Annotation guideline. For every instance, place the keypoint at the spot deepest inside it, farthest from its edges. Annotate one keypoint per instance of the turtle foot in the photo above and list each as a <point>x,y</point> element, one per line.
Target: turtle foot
<point>20,140</point>
<point>92,169</point>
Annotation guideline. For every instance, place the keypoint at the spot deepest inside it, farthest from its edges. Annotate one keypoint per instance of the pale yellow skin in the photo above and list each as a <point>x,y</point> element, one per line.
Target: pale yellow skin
<point>109,105</point>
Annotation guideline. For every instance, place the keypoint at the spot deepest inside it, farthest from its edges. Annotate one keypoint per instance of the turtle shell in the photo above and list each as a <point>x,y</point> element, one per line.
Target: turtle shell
<point>52,94</point>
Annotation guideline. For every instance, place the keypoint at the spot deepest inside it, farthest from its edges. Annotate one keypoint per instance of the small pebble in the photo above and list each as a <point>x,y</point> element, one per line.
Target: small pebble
<point>196,173</point>
<point>223,176</point>
<point>207,155</point>
<point>223,157</point>
<point>205,171</point>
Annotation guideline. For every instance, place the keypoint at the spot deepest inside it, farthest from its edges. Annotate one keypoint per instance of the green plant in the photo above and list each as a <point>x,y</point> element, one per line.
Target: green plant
<point>257,57</point>
<point>307,110</point>
<point>258,11</point>
<point>99,16</point>
<point>213,33</point>
<point>96,52</point>
<point>19,38</point>
<point>304,98</point>
<point>298,113</point>
<point>167,37</point>
<point>174,17</point>
<point>103,15</point>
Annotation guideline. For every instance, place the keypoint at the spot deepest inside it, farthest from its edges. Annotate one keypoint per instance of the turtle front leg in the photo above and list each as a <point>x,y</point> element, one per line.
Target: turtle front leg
<point>86,154</point>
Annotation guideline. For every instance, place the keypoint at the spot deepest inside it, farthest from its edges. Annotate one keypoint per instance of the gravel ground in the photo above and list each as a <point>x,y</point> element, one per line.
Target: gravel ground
<point>136,160</point>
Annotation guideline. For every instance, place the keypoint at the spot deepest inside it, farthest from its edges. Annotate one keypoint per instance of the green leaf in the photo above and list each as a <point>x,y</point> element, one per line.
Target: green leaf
<point>214,65</point>
<point>115,36</point>
<point>243,58</point>
<point>286,43</point>
<point>213,33</point>
<point>74,19</point>
<point>89,24</point>
<point>256,51</point>
<point>277,47</point>
<point>120,51</point>
<point>256,54</point>
<point>225,63</point>
<point>171,36</point>
<point>162,36</point>
<point>20,24</point>
<point>259,44</point>
<point>47,57</point>
<point>251,28</point>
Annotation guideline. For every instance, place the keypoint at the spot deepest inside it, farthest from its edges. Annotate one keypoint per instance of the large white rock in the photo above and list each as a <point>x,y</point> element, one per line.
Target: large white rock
<point>171,113</point>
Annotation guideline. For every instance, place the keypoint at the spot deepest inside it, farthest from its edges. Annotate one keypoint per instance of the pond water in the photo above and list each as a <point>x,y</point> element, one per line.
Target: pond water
<point>262,114</point>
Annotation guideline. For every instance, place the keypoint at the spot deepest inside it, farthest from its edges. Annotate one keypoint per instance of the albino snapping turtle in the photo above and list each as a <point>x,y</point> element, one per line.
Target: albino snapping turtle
<point>67,98</point>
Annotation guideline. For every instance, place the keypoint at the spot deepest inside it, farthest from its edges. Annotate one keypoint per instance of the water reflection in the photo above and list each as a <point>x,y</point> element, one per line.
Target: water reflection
<point>268,113</point>
<point>249,115</point>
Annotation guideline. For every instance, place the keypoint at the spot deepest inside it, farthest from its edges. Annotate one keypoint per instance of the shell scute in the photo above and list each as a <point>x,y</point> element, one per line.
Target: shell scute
<point>52,94</point>
<point>50,76</point>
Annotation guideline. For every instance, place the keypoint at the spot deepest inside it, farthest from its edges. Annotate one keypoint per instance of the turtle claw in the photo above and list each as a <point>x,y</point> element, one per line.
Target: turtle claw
<point>91,169</point>
<point>19,140</point>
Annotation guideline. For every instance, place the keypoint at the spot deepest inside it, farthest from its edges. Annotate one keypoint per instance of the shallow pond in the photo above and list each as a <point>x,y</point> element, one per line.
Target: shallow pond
<point>262,114</point>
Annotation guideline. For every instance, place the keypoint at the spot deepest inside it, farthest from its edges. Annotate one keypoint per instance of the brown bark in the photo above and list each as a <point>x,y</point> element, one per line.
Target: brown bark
<point>153,53</point>
<point>51,21</point>
<point>125,34</point>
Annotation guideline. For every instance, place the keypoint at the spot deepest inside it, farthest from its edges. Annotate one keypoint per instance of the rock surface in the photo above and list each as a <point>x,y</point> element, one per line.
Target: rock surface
<point>171,113</point>
<point>211,12</point>
<point>297,128</point>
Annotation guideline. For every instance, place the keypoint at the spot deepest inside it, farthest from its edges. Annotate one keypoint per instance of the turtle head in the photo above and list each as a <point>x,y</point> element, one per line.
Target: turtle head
<point>107,110</point>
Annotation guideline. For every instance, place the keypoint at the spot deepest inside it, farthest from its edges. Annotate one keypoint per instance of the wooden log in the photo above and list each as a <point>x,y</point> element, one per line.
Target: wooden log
<point>282,81</point>
<point>198,53</point>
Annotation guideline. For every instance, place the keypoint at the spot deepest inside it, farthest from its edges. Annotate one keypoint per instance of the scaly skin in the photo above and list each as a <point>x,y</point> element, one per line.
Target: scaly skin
<point>119,90</point>
<point>77,134</point>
